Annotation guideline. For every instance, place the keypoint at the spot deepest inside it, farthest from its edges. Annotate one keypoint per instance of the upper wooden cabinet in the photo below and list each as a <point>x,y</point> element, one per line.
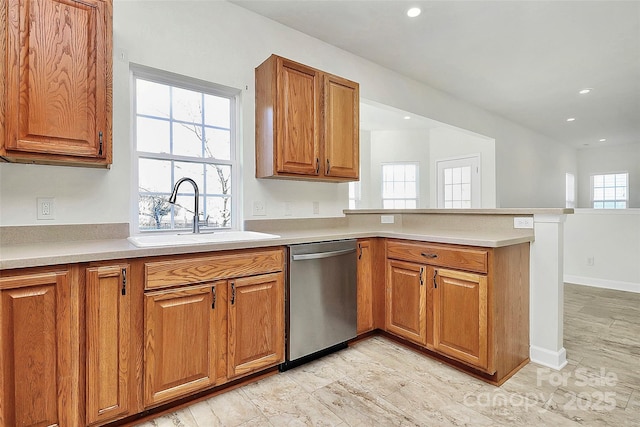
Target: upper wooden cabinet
<point>58,82</point>
<point>307,123</point>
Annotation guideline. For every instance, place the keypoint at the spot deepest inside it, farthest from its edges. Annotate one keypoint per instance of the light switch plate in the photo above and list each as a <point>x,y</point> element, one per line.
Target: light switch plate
<point>259,208</point>
<point>387,219</point>
<point>523,222</point>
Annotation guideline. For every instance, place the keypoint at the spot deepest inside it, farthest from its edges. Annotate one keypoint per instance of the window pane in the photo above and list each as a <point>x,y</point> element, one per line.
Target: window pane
<point>609,193</point>
<point>621,193</point>
<point>217,111</point>
<point>465,192</point>
<point>456,204</point>
<point>154,212</point>
<point>194,171</point>
<point>621,179</point>
<point>448,192</point>
<point>448,204</point>
<point>410,190</point>
<point>187,140</point>
<point>609,180</point>
<point>217,144</point>
<point>154,176</point>
<point>457,175</point>
<point>598,205</point>
<point>448,176</point>
<point>598,180</point>
<point>457,192</point>
<point>410,204</point>
<point>621,205</point>
<point>466,174</point>
<point>598,193</point>
<point>387,204</point>
<point>218,179</point>
<point>219,211</point>
<point>387,172</point>
<point>183,211</point>
<point>466,204</point>
<point>609,205</point>
<point>153,135</point>
<point>187,105</point>
<point>398,173</point>
<point>152,99</point>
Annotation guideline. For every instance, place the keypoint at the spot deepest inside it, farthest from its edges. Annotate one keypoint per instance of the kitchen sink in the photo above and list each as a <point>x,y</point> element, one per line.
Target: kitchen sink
<point>151,240</point>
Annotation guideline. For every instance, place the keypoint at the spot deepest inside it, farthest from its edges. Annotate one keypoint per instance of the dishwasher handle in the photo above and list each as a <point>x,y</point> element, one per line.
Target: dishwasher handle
<point>320,255</point>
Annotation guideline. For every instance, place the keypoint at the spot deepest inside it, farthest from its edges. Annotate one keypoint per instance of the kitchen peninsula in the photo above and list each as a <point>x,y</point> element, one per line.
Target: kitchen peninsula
<point>74,281</point>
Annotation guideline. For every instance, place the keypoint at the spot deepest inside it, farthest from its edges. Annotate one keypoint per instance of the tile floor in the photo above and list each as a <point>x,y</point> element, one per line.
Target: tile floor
<point>379,383</point>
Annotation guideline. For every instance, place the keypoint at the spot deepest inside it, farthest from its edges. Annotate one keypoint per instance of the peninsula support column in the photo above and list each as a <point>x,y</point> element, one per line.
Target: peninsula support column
<point>547,292</point>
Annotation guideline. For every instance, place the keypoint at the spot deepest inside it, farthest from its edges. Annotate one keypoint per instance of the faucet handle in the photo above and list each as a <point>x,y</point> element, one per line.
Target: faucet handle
<point>204,222</point>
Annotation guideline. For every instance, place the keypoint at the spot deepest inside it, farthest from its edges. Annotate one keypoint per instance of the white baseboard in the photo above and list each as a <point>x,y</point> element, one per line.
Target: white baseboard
<point>551,359</point>
<point>603,283</point>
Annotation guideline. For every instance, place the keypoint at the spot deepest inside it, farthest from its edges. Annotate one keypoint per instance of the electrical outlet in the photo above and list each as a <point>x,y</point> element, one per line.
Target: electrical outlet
<point>387,219</point>
<point>590,261</point>
<point>259,208</point>
<point>523,222</point>
<point>46,208</point>
<point>316,208</point>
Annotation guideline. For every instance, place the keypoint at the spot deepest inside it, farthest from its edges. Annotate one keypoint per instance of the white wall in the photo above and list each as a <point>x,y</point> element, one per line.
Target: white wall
<point>220,42</point>
<point>612,239</point>
<point>447,143</point>
<point>398,146</point>
<point>608,159</point>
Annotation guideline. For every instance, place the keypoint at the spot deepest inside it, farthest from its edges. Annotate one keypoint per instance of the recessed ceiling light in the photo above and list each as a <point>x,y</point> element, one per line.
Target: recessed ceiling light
<point>407,117</point>
<point>603,140</point>
<point>413,12</point>
<point>585,91</point>
<point>571,119</point>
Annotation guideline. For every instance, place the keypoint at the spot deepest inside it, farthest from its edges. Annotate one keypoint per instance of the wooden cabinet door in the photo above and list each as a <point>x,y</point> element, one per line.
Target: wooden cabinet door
<point>460,319</point>
<point>341,127</point>
<point>35,350</point>
<point>256,323</point>
<point>365,287</point>
<point>406,301</point>
<point>180,336</point>
<point>59,80</point>
<point>298,119</point>
<point>108,341</point>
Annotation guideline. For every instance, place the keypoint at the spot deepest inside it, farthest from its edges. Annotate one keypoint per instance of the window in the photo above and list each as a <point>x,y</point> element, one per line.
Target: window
<point>183,128</point>
<point>400,186</point>
<point>570,190</point>
<point>355,194</point>
<point>458,182</point>
<point>610,191</point>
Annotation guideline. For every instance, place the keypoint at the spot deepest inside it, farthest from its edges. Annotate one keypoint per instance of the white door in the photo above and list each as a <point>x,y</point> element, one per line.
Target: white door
<point>458,183</point>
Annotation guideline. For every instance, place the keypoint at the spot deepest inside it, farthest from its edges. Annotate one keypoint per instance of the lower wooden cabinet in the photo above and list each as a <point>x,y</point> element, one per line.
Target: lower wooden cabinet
<point>460,317</point>
<point>365,287</point>
<point>180,340</point>
<point>466,303</point>
<point>108,324</point>
<point>35,356</point>
<point>256,323</point>
<point>406,301</point>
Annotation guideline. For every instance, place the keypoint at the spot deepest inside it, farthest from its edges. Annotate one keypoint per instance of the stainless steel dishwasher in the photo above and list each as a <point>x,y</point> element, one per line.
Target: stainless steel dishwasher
<point>321,299</point>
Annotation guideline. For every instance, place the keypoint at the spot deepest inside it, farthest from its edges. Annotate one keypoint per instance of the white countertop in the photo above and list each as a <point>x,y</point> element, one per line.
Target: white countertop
<point>68,252</point>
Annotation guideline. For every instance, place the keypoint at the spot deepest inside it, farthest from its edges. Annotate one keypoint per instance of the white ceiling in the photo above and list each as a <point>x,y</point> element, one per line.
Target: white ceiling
<point>523,60</point>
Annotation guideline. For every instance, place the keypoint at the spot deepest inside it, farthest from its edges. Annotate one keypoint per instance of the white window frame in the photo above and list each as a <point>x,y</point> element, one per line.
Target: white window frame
<point>604,200</point>
<point>570,190</point>
<point>474,161</point>
<point>417,198</point>
<point>185,82</point>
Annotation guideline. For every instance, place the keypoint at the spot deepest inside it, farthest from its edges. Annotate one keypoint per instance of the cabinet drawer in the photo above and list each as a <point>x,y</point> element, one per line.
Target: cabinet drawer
<point>461,258</point>
<point>173,272</point>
